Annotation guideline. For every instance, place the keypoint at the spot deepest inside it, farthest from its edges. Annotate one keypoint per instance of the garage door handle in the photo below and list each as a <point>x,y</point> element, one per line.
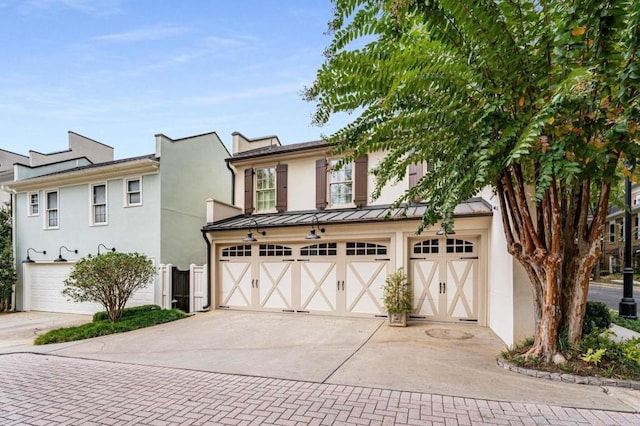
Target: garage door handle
<point>342,285</point>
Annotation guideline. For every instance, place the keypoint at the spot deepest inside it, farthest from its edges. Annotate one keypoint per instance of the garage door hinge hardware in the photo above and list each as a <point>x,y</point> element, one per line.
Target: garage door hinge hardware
<point>302,260</point>
<point>223,260</point>
<point>469,257</point>
<point>288,260</point>
<point>467,320</point>
<point>381,259</point>
<point>302,312</point>
<point>290,311</point>
<point>381,316</point>
<point>418,258</point>
<point>223,307</point>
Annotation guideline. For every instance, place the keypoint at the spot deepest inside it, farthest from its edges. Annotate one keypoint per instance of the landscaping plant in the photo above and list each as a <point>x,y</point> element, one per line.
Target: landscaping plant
<point>109,279</point>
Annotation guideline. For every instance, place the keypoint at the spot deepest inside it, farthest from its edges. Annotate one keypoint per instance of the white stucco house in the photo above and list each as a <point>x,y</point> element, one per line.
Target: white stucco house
<point>81,201</point>
<point>302,238</point>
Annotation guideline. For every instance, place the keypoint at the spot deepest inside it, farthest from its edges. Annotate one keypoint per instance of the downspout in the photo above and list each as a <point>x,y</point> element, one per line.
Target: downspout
<point>233,183</point>
<point>204,235</point>
<point>13,246</point>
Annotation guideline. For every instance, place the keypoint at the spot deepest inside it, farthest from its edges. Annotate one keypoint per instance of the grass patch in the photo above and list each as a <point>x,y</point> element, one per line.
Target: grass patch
<point>626,323</point>
<point>617,278</point>
<point>132,319</point>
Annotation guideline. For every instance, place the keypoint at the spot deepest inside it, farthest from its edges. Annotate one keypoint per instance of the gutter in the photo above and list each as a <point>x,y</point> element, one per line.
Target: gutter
<point>233,183</point>
<point>204,235</point>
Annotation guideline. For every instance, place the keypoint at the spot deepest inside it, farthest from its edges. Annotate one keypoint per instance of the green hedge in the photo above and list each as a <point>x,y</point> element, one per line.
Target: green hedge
<point>135,318</point>
<point>127,312</point>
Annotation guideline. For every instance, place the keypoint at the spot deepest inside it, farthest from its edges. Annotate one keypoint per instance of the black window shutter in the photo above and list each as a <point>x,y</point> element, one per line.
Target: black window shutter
<point>248,190</point>
<point>281,188</point>
<point>321,184</point>
<point>360,193</point>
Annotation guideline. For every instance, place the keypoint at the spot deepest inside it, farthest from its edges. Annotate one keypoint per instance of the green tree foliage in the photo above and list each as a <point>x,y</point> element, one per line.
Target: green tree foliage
<point>109,279</point>
<point>7,265</point>
<point>538,100</point>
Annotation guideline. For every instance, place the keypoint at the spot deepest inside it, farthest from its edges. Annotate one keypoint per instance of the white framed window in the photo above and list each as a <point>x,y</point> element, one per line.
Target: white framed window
<point>99,204</point>
<point>266,189</point>
<point>341,184</point>
<point>612,232</point>
<point>52,219</point>
<point>133,192</point>
<point>34,204</point>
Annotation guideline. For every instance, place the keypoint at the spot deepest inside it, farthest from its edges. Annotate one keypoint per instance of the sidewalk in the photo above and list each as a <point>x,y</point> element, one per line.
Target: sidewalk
<point>44,389</point>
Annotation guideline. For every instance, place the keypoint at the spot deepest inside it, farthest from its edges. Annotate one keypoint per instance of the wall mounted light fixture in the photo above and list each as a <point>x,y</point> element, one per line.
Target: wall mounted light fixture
<point>105,247</point>
<point>28,259</point>
<point>444,231</point>
<point>60,258</point>
<point>250,238</point>
<point>314,226</point>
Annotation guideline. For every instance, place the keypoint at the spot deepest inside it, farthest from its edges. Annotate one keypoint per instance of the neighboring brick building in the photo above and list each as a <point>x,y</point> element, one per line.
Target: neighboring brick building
<point>613,236</point>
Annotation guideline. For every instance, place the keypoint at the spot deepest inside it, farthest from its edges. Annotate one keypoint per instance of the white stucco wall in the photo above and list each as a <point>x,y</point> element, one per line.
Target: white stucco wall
<point>301,180</point>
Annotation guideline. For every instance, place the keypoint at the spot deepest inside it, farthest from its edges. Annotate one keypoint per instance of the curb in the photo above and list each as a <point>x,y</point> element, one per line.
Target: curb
<point>569,378</point>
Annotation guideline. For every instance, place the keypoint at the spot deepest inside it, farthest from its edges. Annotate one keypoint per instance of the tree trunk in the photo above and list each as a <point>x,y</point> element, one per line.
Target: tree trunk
<point>557,249</point>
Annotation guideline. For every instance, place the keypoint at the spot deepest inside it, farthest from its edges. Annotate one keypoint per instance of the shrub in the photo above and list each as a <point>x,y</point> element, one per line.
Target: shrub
<point>126,313</point>
<point>109,279</point>
<point>596,316</point>
<point>397,293</point>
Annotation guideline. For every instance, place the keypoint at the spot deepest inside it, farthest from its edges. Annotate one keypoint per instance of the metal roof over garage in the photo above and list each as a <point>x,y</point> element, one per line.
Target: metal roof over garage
<point>471,207</point>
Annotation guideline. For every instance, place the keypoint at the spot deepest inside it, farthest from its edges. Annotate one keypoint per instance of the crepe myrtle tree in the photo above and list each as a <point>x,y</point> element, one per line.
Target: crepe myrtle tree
<point>109,279</point>
<point>537,99</point>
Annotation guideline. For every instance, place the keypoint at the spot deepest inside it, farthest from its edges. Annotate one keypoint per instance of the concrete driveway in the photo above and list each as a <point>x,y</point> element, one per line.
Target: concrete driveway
<point>447,359</point>
<point>18,329</point>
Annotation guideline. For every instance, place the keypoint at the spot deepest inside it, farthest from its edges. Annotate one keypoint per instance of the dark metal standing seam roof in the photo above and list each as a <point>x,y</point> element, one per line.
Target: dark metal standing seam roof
<point>471,207</point>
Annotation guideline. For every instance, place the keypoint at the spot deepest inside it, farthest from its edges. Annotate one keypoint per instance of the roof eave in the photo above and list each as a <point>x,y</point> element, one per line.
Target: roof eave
<point>136,167</point>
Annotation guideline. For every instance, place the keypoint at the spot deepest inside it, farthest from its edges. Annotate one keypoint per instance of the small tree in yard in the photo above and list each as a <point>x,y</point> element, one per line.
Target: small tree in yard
<point>7,268</point>
<point>109,279</point>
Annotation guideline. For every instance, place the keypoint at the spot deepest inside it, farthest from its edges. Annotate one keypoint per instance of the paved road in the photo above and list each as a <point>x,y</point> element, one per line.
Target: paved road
<point>46,389</point>
<point>610,294</point>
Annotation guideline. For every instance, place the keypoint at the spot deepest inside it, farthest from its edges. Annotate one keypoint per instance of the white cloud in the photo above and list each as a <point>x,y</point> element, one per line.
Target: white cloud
<point>156,32</point>
<point>88,7</point>
<point>254,92</point>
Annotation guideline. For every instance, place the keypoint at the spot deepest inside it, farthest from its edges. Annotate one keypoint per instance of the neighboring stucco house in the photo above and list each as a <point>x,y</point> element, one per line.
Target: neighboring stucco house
<point>91,203</point>
<point>303,238</point>
<point>614,239</point>
<point>7,160</point>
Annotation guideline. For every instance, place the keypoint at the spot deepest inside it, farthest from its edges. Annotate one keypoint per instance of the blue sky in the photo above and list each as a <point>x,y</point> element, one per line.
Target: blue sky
<point>121,71</point>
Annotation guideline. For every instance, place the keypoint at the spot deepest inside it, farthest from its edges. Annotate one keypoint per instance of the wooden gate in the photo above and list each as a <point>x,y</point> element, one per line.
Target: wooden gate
<point>180,289</point>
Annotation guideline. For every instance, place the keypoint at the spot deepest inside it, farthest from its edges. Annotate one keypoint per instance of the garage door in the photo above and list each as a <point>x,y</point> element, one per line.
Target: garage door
<point>335,278</point>
<point>44,284</point>
<point>444,273</point>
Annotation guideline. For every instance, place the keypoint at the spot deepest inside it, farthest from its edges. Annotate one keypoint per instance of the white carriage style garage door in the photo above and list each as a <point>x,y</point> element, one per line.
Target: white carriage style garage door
<point>335,278</point>
<point>44,283</point>
<point>444,273</point>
